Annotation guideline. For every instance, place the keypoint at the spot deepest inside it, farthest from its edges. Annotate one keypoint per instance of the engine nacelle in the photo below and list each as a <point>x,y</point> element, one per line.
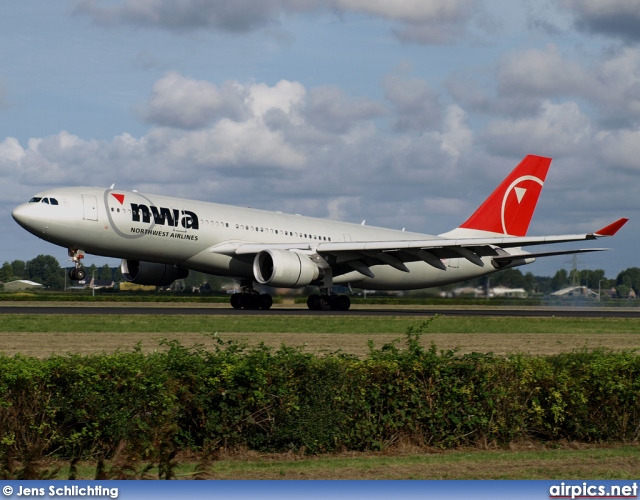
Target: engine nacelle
<point>151,273</point>
<point>282,268</point>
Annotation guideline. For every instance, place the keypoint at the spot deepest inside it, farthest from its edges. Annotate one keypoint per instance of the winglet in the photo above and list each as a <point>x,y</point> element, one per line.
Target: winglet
<point>612,228</point>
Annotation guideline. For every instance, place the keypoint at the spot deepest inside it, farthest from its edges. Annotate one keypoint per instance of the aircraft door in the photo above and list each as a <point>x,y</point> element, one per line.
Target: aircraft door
<point>90,207</point>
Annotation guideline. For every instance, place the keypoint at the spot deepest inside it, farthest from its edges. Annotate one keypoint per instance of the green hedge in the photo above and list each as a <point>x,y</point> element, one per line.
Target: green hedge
<point>274,400</point>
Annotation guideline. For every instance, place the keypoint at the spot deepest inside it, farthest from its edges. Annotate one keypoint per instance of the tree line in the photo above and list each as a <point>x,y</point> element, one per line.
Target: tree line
<point>595,279</point>
<point>46,270</point>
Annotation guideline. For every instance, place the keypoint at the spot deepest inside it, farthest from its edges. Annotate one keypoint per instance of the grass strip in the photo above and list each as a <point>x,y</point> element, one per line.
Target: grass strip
<point>309,324</point>
<point>613,462</point>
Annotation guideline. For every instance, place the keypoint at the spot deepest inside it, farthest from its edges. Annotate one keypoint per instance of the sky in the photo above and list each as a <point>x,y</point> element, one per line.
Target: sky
<point>403,113</point>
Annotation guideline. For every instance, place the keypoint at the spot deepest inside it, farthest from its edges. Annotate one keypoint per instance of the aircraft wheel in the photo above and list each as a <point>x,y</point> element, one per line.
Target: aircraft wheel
<point>80,274</point>
<point>265,301</point>
<point>72,274</point>
<point>313,302</point>
<point>250,301</point>
<point>236,301</point>
<point>325,303</point>
<point>342,303</point>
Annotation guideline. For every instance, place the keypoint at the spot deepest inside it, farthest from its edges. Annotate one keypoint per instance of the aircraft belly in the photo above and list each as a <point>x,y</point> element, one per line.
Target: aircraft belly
<point>221,265</point>
<point>421,275</point>
<point>99,239</point>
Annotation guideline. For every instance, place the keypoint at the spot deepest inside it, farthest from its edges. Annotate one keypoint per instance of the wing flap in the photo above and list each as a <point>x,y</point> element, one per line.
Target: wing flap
<point>509,258</point>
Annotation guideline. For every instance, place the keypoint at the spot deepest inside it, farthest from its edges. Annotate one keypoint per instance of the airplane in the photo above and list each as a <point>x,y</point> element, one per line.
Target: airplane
<point>161,238</point>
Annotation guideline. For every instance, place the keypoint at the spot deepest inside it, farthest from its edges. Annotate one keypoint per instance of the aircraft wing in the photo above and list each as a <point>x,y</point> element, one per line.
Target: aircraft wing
<point>360,255</point>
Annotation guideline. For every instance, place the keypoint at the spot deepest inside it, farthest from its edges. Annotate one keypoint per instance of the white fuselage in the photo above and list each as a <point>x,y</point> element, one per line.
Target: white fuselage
<point>152,228</point>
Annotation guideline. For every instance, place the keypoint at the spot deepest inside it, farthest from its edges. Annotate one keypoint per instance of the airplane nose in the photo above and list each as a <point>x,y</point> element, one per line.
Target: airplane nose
<point>20,214</point>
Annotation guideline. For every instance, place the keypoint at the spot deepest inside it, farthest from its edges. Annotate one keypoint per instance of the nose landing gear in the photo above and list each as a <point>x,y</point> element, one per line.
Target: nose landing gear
<point>77,273</point>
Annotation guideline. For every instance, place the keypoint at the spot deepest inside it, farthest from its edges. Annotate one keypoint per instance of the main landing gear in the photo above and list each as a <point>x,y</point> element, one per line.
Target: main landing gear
<point>248,298</point>
<point>77,273</point>
<point>328,302</point>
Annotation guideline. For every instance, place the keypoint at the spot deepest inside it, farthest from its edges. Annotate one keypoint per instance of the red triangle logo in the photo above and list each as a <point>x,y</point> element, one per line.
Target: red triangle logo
<point>119,197</point>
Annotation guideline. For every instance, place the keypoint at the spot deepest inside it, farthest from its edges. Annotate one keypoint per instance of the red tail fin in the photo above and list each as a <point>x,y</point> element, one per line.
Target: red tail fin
<point>510,207</point>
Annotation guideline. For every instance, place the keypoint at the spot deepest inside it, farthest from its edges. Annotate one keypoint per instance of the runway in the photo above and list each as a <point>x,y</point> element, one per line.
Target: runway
<point>365,311</point>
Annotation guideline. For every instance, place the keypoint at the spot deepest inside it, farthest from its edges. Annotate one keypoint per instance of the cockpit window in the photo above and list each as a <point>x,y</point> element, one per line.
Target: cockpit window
<point>48,201</point>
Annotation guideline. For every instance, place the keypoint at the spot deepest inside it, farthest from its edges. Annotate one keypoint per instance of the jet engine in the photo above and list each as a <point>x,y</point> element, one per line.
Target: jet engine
<point>151,273</point>
<point>282,268</point>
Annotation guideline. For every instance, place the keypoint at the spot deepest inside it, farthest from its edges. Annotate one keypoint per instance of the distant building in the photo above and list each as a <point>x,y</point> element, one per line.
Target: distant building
<point>505,291</point>
<point>576,291</point>
<point>498,291</point>
<point>21,285</point>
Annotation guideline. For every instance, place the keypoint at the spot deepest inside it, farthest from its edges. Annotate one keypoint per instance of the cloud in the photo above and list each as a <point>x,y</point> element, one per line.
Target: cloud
<point>540,73</point>
<point>558,130</point>
<point>286,147</point>
<point>613,18</point>
<point>10,151</point>
<point>330,109</point>
<point>521,81</point>
<point>435,21</point>
<point>284,96</point>
<point>230,148</point>
<point>238,16</point>
<point>525,79</point>
<point>417,106</point>
<point>619,149</point>
<point>178,101</point>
